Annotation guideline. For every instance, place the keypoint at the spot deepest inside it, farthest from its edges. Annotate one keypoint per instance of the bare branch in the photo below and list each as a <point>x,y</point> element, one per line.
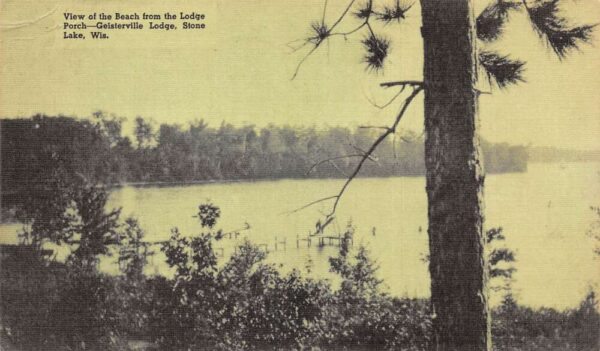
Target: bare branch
<point>299,47</point>
<point>351,31</point>
<point>381,107</point>
<point>331,159</point>
<point>324,11</point>
<point>342,16</point>
<point>337,168</point>
<point>366,155</point>
<point>302,61</point>
<point>313,203</point>
<point>412,83</point>
<point>374,127</point>
<point>374,146</point>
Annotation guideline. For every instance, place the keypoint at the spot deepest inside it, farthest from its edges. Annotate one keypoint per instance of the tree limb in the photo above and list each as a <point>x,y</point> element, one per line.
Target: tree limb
<point>367,155</point>
<point>381,107</point>
<point>413,83</point>
<point>313,203</point>
<point>331,159</point>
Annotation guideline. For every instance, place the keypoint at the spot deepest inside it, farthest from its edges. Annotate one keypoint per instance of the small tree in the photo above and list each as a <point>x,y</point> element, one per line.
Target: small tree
<point>594,231</point>
<point>144,133</point>
<point>72,211</point>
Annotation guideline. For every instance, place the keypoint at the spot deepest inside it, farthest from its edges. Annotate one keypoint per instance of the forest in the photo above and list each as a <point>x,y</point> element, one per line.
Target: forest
<point>101,151</point>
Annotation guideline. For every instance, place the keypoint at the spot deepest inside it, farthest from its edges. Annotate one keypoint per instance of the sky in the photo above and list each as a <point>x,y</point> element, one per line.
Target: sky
<point>239,69</point>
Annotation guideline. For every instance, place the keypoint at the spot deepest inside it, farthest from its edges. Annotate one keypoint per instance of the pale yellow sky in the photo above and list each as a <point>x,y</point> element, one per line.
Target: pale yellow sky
<point>239,70</point>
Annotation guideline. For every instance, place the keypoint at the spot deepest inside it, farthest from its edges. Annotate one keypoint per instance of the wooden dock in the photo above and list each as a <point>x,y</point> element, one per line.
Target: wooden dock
<point>320,240</point>
<point>323,240</point>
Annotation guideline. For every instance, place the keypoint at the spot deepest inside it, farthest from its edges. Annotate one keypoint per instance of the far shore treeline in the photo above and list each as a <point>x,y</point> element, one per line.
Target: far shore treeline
<point>98,149</point>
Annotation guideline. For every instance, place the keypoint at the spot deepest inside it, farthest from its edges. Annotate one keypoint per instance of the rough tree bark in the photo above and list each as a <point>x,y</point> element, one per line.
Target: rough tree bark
<point>454,178</point>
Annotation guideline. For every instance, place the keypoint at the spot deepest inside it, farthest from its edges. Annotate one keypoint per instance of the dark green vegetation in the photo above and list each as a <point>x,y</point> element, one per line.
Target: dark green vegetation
<point>245,304</point>
<point>236,304</point>
<point>550,154</point>
<point>33,148</point>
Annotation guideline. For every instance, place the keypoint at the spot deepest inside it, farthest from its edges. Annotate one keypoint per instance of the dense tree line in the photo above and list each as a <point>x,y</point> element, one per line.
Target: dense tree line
<point>98,150</point>
<point>551,154</point>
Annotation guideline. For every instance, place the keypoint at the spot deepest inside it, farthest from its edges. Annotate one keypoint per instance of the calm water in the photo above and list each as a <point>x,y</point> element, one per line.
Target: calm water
<point>545,214</point>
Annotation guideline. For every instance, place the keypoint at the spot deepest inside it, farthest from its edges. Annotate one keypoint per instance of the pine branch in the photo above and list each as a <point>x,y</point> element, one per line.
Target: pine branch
<point>396,13</point>
<point>490,23</point>
<point>501,69</point>
<point>377,46</point>
<point>502,254</point>
<point>365,11</point>
<point>559,34</point>
<point>377,49</point>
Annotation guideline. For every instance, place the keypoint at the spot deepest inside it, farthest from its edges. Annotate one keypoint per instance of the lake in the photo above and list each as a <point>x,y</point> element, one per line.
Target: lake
<point>545,213</point>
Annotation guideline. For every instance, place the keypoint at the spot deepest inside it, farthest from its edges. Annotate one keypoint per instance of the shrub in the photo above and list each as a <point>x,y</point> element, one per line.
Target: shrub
<point>245,303</point>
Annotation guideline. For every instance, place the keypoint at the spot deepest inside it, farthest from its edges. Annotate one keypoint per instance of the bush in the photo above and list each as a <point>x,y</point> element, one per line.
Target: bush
<point>521,328</point>
<point>28,291</point>
<point>245,303</point>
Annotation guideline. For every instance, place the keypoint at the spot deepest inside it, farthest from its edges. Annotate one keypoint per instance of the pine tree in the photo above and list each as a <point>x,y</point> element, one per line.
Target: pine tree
<point>451,36</point>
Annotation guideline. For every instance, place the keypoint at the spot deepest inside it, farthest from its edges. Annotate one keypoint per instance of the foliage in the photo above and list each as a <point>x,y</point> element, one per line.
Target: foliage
<point>594,231</point>
<point>50,305</point>
<point>71,213</point>
<point>132,250</point>
<point>245,303</point>
<point>500,261</point>
<point>41,156</point>
<point>362,315</point>
<point>545,16</point>
<point>377,50</point>
<point>549,24</point>
<point>144,133</point>
<point>501,69</point>
<point>491,22</point>
<point>521,328</point>
<point>28,293</point>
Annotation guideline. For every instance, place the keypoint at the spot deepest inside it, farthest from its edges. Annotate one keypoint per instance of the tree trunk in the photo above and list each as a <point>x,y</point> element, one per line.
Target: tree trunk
<point>454,178</point>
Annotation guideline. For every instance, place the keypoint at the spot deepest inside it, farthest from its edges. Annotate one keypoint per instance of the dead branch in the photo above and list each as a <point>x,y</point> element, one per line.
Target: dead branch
<point>312,203</point>
<point>381,107</point>
<point>331,159</point>
<point>374,127</point>
<point>342,16</point>
<point>374,146</point>
<point>337,168</point>
<point>412,83</point>
<point>304,59</point>
<point>364,157</point>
